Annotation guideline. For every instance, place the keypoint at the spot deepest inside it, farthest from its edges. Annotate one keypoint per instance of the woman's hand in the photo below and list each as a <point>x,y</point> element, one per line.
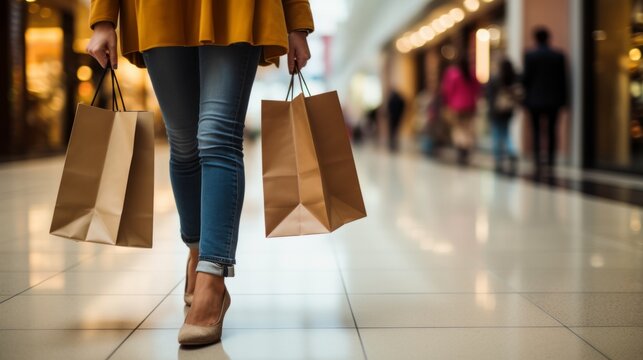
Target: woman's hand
<point>297,50</point>
<point>102,45</point>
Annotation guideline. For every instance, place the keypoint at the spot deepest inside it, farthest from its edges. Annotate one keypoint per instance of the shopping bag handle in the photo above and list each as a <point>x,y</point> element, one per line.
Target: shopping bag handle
<point>115,107</point>
<point>302,83</point>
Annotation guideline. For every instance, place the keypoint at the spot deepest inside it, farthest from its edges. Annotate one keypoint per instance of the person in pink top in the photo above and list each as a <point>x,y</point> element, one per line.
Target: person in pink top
<point>460,90</point>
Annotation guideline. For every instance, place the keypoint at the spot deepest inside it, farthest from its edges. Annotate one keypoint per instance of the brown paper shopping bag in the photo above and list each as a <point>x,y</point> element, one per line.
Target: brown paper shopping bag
<point>310,184</point>
<point>106,191</point>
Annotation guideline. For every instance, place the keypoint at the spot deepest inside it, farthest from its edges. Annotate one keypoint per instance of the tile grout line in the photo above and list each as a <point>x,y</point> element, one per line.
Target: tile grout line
<point>348,300</point>
<point>565,326</point>
<point>142,321</point>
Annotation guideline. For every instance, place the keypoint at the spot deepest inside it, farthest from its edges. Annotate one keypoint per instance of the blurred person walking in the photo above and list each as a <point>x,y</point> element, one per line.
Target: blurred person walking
<point>460,90</point>
<point>395,107</point>
<point>202,57</point>
<point>504,94</point>
<point>545,82</point>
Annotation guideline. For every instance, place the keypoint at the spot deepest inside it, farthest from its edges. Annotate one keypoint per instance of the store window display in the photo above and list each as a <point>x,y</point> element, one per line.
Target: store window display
<point>617,41</point>
<point>46,92</point>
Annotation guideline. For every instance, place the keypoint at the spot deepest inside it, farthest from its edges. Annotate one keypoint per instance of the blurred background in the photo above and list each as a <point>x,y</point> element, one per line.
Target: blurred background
<point>364,49</point>
<point>452,262</point>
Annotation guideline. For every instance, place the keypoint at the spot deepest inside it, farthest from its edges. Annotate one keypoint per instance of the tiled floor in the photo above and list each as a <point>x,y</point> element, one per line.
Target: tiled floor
<point>451,263</point>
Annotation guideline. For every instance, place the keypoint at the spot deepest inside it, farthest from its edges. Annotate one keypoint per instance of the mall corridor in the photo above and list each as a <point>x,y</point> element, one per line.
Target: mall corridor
<point>450,263</point>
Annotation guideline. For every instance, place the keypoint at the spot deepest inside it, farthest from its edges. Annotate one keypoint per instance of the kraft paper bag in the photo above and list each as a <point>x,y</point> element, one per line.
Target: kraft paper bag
<point>106,192</point>
<point>310,183</point>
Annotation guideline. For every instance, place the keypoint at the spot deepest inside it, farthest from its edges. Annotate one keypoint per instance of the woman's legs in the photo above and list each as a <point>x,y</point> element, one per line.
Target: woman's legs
<point>502,144</point>
<point>203,93</point>
<point>227,74</point>
<point>174,72</point>
<point>498,143</point>
<point>464,136</point>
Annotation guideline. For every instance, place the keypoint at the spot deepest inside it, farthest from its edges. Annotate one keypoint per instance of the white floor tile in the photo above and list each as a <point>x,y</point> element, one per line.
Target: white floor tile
<point>142,260</point>
<point>12,283</point>
<point>281,282</point>
<point>447,310</point>
<point>264,311</point>
<point>76,311</point>
<point>573,280</point>
<point>478,343</point>
<point>615,342</point>
<point>43,242</point>
<point>411,260</point>
<point>60,344</point>
<point>108,283</point>
<point>449,263</point>
<point>258,344</point>
<point>590,260</point>
<point>255,242</point>
<point>287,261</point>
<point>39,261</point>
<point>421,281</point>
<point>592,309</point>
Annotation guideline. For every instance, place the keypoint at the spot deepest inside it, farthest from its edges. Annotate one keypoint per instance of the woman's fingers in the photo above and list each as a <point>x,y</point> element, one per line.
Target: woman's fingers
<point>113,53</point>
<point>303,54</point>
<point>100,55</point>
<point>291,61</point>
<point>302,59</point>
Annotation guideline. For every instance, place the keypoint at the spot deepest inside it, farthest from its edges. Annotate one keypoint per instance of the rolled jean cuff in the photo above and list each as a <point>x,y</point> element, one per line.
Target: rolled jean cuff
<point>225,270</point>
<point>190,241</point>
<point>192,245</point>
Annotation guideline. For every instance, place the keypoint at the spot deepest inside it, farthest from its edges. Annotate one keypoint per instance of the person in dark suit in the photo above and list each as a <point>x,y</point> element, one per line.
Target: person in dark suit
<point>395,107</point>
<point>545,85</point>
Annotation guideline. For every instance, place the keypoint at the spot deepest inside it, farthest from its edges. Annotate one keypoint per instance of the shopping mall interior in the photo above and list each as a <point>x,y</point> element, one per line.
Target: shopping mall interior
<point>472,247</point>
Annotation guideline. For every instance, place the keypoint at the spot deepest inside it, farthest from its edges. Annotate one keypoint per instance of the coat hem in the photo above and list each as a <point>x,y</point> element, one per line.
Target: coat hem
<point>135,56</point>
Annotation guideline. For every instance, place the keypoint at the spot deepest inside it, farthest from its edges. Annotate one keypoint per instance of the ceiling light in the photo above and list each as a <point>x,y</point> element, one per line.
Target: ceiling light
<point>483,55</point>
<point>427,33</point>
<point>437,26</point>
<point>457,14</point>
<point>403,45</point>
<point>447,21</point>
<point>471,5</point>
<point>417,40</point>
<point>494,34</point>
<point>482,35</point>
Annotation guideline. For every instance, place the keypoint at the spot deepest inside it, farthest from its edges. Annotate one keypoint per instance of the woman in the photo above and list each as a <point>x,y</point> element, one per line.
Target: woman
<point>202,56</point>
<point>460,91</point>
<point>503,96</point>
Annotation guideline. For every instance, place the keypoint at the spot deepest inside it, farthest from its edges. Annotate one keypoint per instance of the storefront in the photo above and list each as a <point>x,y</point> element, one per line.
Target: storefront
<point>49,92</point>
<point>488,31</point>
<point>46,72</point>
<point>450,30</point>
<point>614,95</point>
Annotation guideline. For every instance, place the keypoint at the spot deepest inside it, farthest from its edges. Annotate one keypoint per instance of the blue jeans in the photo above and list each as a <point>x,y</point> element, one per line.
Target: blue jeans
<point>203,93</point>
<point>502,145</point>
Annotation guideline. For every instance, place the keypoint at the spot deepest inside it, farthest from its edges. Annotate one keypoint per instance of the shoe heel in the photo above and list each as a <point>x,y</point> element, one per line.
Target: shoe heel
<point>203,335</point>
<point>187,298</point>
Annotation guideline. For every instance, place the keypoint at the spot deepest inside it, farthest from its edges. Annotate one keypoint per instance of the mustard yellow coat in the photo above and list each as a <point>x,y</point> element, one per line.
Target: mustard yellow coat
<point>146,24</point>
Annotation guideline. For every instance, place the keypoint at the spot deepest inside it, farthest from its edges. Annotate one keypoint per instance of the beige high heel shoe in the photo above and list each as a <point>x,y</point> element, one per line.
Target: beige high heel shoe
<point>209,334</point>
<point>187,297</point>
